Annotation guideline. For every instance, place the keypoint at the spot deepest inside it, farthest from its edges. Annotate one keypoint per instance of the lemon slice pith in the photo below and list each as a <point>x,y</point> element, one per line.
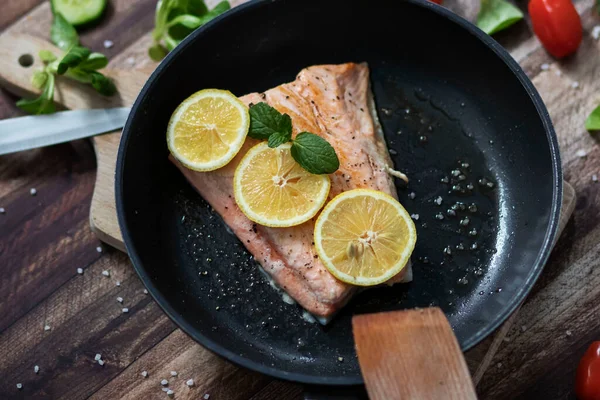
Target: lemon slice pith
<point>208,129</point>
<point>364,237</point>
<point>272,189</point>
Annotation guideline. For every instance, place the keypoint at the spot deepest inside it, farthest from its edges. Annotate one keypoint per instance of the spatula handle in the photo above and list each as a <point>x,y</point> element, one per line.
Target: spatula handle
<point>411,354</point>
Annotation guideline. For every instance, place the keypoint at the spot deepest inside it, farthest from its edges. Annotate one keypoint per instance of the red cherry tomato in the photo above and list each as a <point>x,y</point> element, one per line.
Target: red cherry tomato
<point>587,380</point>
<point>436,1</point>
<point>557,25</point>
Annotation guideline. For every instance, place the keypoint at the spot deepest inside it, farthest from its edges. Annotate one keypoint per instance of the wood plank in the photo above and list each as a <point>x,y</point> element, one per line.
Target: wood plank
<point>13,9</point>
<point>178,352</point>
<point>85,319</point>
<point>560,317</point>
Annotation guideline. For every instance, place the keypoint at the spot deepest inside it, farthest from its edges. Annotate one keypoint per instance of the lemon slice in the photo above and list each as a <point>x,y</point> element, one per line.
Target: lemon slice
<point>208,129</point>
<point>364,237</point>
<point>272,189</point>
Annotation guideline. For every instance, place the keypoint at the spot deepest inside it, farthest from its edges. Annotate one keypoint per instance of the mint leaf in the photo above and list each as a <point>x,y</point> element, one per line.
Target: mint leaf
<point>47,56</point>
<point>593,121</point>
<point>496,15</point>
<point>62,33</point>
<point>103,84</point>
<point>314,154</point>
<point>73,58</point>
<point>44,104</point>
<point>279,138</point>
<point>265,121</point>
<point>94,62</point>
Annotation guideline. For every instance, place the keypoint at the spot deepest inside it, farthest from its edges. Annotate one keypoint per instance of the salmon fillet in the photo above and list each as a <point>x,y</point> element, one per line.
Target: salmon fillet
<point>334,102</point>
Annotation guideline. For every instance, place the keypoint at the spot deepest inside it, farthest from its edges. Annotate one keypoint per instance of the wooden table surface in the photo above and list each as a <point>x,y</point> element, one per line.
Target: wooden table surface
<point>45,238</point>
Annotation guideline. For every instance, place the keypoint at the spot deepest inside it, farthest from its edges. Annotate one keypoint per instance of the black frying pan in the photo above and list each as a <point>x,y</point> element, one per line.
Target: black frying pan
<point>448,95</point>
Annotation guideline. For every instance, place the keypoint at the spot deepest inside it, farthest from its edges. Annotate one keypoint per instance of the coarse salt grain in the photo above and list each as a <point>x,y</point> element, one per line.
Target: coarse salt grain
<point>438,200</point>
<point>101,362</point>
<point>170,393</point>
<point>596,32</point>
<point>545,66</point>
<point>19,386</point>
<point>415,217</point>
<point>173,373</point>
<point>165,389</point>
<point>120,299</point>
<point>575,85</point>
<point>80,271</point>
<point>118,283</point>
<point>98,357</point>
<point>206,396</point>
<point>145,291</point>
<point>125,310</point>
<point>2,210</point>
<point>99,249</point>
<point>145,374</point>
<point>581,153</point>
<point>594,178</point>
<point>568,333</point>
<point>108,44</point>
<point>36,369</point>
<point>46,327</point>
<point>105,273</point>
<point>164,382</point>
<point>190,382</point>
<point>33,191</point>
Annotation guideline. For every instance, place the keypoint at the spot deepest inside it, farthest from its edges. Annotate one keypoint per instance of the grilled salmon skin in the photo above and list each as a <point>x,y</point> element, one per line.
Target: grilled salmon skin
<point>336,103</point>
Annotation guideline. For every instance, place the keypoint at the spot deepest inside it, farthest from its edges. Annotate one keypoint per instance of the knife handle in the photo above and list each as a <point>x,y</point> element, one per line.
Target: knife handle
<point>17,50</point>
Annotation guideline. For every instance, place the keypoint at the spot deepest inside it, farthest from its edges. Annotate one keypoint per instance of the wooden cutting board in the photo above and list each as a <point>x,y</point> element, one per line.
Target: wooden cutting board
<point>130,77</point>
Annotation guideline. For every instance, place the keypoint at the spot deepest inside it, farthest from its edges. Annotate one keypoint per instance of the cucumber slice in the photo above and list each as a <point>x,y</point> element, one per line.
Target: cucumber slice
<point>79,12</point>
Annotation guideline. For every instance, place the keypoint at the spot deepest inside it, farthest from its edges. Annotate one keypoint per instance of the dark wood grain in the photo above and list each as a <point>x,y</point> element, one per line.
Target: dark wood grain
<point>13,9</point>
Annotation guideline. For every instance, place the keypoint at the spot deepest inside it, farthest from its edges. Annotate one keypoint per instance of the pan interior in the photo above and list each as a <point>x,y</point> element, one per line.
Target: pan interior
<point>445,100</point>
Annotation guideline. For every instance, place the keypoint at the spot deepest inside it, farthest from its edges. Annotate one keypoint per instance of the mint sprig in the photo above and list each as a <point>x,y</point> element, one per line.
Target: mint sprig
<point>175,19</point>
<point>311,151</point>
<point>78,63</point>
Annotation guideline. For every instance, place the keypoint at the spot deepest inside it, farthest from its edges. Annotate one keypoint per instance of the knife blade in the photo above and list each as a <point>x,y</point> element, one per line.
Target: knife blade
<point>24,133</point>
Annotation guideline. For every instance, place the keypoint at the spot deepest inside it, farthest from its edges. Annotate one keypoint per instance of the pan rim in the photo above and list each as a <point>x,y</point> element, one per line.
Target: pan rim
<point>511,306</point>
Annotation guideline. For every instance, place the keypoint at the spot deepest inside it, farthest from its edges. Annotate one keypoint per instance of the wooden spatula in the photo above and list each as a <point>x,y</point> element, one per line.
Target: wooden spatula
<point>411,355</point>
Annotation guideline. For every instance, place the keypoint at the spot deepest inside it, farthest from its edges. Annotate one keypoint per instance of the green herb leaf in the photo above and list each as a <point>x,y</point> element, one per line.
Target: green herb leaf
<point>176,19</point>
<point>157,52</point>
<point>62,33</point>
<point>592,123</point>
<point>496,15</point>
<point>47,56</point>
<point>220,8</point>
<point>170,42</point>
<point>314,154</point>
<point>187,20</point>
<point>279,138</point>
<point>94,62</point>
<point>79,75</point>
<point>44,104</point>
<point>73,58</point>
<point>38,79</point>
<point>265,121</point>
<point>103,84</point>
